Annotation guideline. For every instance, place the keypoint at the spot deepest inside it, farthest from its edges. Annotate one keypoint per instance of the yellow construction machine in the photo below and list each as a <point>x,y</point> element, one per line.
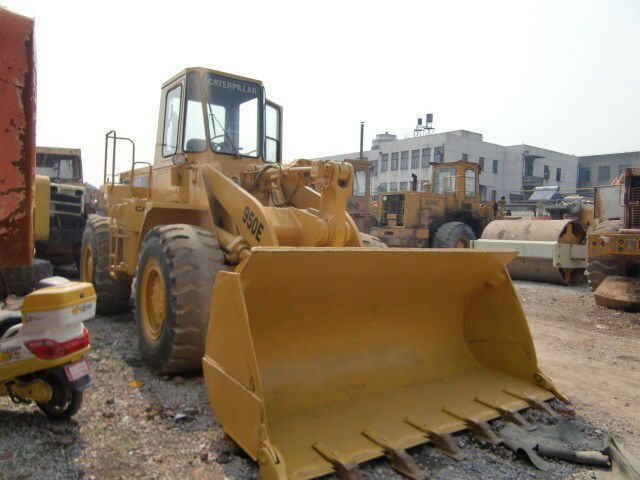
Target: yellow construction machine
<point>448,213</point>
<point>551,246</point>
<point>313,360</point>
<point>613,269</point>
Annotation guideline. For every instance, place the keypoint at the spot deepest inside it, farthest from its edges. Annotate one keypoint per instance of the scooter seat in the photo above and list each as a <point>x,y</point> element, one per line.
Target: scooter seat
<point>9,318</point>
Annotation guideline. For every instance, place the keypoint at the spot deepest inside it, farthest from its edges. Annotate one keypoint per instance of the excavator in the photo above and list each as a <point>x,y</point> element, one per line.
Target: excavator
<point>251,269</point>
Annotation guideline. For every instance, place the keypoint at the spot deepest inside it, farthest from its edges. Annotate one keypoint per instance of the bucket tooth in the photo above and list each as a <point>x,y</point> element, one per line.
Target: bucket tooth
<point>508,415</point>
<point>443,441</point>
<point>533,402</point>
<point>399,459</point>
<point>480,428</point>
<point>345,469</point>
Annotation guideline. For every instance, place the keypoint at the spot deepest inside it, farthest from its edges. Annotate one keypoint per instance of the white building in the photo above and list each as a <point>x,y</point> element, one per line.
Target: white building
<point>506,170</point>
<point>603,169</point>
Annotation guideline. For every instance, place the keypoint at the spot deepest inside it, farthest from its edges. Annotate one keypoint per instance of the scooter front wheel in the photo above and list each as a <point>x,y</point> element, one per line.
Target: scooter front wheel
<point>65,401</point>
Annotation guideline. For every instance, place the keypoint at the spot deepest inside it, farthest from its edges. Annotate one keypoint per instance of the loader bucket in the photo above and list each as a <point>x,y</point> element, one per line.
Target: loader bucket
<point>318,359</point>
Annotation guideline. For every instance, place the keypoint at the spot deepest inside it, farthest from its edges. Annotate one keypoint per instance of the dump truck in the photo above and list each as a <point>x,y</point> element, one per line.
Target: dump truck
<point>24,208</point>
<point>447,213</point>
<point>68,209</point>
<point>613,269</point>
<point>237,265</point>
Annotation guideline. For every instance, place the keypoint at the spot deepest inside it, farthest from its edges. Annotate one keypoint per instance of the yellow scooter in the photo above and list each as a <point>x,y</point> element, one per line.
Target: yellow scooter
<point>42,347</point>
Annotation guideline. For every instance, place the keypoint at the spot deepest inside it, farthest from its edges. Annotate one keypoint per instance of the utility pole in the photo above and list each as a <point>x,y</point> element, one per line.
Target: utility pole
<point>361,140</point>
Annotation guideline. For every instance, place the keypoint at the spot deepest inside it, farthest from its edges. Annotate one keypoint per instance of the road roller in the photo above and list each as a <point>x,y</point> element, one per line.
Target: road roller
<point>552,251</point>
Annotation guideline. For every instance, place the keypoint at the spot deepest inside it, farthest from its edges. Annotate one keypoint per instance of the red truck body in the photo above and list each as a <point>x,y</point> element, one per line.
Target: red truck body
<point>17,138</point>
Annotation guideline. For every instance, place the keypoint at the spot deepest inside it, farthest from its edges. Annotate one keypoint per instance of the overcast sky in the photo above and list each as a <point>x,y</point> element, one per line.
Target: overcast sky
<point>563,75</point>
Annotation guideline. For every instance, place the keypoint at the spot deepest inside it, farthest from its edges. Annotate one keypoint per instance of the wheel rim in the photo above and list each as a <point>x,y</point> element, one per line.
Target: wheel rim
<point>462,242</point>
<point>61,398</point>
<point>153,300</point>
<point>87,264</point>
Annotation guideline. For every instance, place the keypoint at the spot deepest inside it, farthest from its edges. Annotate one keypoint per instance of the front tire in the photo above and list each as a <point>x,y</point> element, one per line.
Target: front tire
<point>172,291</point>
<point>453,235</point>
<point>369,241</point>
<point>113,293</point>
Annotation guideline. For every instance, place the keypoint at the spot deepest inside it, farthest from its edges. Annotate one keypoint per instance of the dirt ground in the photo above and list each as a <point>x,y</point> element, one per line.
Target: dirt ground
<point>592,353</point>
<point>134,424</point>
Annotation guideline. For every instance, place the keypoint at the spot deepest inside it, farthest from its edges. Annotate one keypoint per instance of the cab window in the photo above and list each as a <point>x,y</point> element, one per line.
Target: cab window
<point>470,183</point>
<point>171,121</point>
<point>272,134</point>
<point>445,180</point>
<point>194,137</point>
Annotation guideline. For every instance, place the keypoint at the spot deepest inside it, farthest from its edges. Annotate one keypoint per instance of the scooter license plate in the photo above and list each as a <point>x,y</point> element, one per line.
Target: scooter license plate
<point>77,370</point>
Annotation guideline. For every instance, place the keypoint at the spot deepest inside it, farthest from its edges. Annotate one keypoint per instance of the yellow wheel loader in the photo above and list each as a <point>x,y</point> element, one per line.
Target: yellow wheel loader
<point>313,360</point>
<point>447,214</point>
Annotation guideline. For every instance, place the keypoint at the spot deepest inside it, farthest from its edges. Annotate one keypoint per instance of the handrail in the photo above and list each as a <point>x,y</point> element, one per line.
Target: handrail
<point>111,135</point>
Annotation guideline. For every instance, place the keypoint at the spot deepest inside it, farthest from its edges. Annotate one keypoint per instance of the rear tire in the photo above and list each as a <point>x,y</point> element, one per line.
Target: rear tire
<point>65,401</point>
<point>23,280</point>
<point>181,261</point>
<point>113,293</point>
<point>453,235</point>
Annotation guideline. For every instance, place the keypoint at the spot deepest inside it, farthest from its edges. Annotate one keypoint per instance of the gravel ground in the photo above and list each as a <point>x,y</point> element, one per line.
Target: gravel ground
<point>134,424</point>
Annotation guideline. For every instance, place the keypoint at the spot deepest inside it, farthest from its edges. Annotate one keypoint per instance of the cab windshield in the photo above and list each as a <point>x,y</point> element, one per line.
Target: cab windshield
<point>58,167</point>
<point>444,180</point>
<point>233,110</point>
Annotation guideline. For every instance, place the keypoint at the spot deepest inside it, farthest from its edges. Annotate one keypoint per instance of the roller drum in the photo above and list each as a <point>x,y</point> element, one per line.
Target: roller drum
<point>539,269</point>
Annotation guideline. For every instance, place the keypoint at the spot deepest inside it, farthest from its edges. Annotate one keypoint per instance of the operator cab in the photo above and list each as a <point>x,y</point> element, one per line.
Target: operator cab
<point>460,178</point>
<point>208,111</point>
<point>59,164</point>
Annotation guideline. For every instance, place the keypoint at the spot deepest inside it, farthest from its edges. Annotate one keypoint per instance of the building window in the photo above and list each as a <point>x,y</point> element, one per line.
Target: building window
<point>481,163</point>
<point>528,166</point>
<point>495,166</point>
<point>403,186</point>
<point>546,172</point>
<point>384,162</point>
<point>558,174</point>
<point>404,160</point>
<point>465,157</point>
<point>426,157</point>
<point>393,187</point>
<point>382,187</point>
<point>604,173</point>
<point>493,194</point>
<point>394,161</point>
<point>374,167</point>
<point>622,168</point>
<point>585,174</point>
<point>415,159</point>
<point>438,154</point>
